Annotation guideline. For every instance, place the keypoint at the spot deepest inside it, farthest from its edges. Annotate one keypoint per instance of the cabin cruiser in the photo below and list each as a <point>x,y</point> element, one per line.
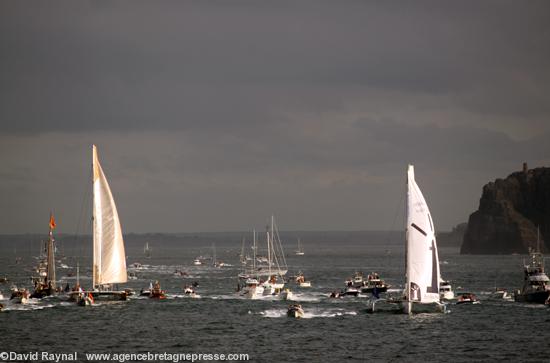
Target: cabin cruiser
<point>467,298</point>
<point>197,262</point>
<point>446,291</point>
<point>536,284</point>
<point>373,283</point>
<point>295,311</point>
<point>355,281</point>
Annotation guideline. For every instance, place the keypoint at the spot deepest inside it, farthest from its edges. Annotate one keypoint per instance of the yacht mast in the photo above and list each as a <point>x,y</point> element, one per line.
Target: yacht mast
<point>50,274</point>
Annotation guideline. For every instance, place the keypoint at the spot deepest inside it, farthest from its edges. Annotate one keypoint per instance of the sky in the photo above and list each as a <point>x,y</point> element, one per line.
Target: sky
<point>213,115</point>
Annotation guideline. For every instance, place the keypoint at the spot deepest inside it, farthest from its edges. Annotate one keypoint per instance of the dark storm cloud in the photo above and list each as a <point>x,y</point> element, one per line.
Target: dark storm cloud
<point>211,114</point>
<point>176,65</point>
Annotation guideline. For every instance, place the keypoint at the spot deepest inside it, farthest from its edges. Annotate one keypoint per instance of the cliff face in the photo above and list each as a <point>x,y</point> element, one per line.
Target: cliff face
<point>509,212</point>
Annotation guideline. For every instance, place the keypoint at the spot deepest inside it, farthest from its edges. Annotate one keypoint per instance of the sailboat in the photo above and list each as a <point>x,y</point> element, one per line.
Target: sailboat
<point>300,250</point>
<point>276,263</point>
<point>45,284</point>
<point>109,257</point>
<point>422,263</point>
<point>249,280</point>
<point>147,250</point>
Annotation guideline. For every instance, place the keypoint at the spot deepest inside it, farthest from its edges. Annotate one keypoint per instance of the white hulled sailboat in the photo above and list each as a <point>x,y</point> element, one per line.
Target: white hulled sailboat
<point>109,264</point>
<point>422,265</point>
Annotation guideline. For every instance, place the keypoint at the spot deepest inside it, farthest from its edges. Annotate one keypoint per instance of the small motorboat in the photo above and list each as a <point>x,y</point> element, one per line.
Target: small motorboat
<point>295,311</point>
<point>20,296</point>
<point>351,291</point>
<point>190,292</point>
<point>197,262</point>
<point>374,284</point>
<point>446,291</point>
<point>3,280</point>
<point>500,294</point>
<point>301,280</point>
<point>356,280</point>
<point>156,292</point>
<point>467,298</point>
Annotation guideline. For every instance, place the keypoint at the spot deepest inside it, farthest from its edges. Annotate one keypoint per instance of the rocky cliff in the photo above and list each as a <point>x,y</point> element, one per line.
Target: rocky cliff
<point>510,210</point>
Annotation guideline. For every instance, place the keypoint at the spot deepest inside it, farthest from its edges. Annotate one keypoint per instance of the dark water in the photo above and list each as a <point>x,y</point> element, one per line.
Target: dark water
<point>333,330</point>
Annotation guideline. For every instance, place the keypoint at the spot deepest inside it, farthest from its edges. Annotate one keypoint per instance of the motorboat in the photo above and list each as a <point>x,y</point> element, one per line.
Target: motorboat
<point>351,291</point>
<point>295,311</point>
<point>156,292</point>
<point>190,292</point>
<point>500,294</point>
<point>467,298</point>
<point>301,280</point>
<point>446,291</point>
<point>373,284</point>
<point>252,289</point>
<point>536,284</point>
<point>20,296</point>
<point>356,280</point>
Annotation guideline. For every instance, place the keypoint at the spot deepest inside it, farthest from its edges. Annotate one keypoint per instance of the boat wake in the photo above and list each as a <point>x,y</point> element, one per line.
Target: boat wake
<point>309,313</point>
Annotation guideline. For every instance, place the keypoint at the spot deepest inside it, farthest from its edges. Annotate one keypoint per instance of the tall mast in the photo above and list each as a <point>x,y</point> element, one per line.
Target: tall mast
<point>269,243</point>
<point>254,259</point>
<point>50,272</point>
<point>94,176</point>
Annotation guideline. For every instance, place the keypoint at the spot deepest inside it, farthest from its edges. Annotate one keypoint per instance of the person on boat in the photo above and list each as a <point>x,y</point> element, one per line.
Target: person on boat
<point>67,287</point>
<point>375,292</point>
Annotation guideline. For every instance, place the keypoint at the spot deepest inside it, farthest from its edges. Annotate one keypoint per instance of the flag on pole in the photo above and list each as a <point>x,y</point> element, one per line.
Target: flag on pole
<point>52,221</point>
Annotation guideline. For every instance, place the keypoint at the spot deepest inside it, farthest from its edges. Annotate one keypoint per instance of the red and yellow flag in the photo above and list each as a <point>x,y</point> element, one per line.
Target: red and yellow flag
<point>52,221</point>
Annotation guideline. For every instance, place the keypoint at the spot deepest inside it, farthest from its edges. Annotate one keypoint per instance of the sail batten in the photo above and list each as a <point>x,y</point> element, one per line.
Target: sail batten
<point>109,265</point>
<point>422,258</point>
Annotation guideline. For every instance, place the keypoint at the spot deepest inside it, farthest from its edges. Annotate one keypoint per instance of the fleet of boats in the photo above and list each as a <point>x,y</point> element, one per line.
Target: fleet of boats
<point>264,275</point>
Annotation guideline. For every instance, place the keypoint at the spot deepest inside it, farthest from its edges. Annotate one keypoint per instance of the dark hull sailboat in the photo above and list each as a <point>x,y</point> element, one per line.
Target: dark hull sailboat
<point>45,285</point>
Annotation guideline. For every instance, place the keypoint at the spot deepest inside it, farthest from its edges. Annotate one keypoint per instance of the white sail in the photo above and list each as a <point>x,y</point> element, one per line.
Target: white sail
<point>423,275</point>
<point>109,266</point>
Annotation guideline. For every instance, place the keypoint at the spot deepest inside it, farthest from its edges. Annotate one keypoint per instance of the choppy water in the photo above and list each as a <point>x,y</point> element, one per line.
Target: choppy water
<point>332,330</point>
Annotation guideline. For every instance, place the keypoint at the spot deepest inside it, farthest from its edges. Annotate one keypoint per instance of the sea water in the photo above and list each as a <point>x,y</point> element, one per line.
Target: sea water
<point>220,322</point>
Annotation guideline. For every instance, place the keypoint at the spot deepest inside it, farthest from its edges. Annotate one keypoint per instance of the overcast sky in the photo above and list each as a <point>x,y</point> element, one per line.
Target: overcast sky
<point>212,115</point>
